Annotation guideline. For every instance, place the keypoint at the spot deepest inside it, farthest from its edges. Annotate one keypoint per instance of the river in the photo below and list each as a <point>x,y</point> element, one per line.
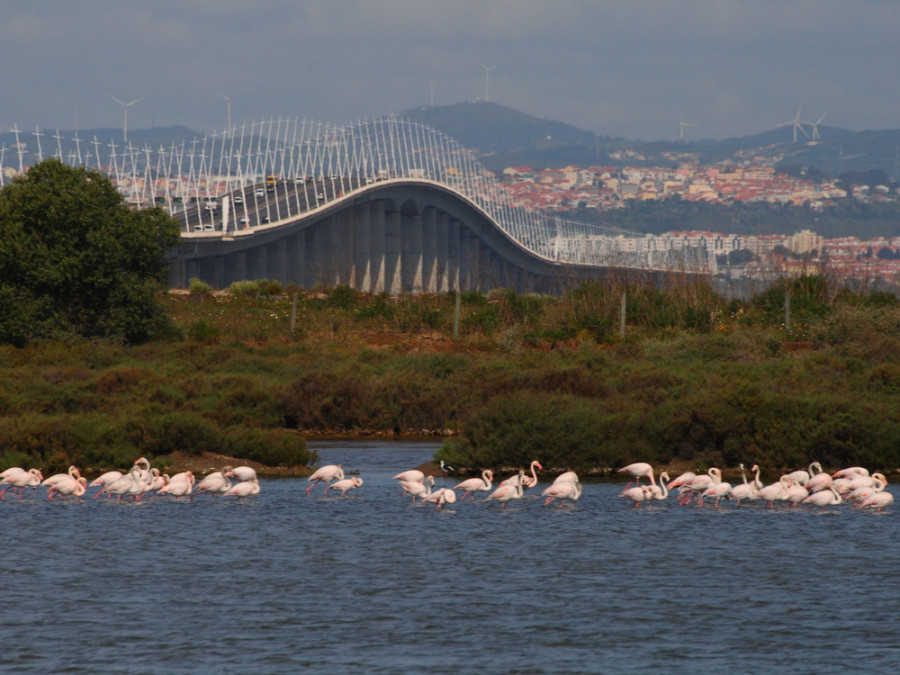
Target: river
<point>370,583</point>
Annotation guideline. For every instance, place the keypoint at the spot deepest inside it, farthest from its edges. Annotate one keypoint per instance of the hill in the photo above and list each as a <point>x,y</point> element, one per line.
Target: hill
<point>503,136</point>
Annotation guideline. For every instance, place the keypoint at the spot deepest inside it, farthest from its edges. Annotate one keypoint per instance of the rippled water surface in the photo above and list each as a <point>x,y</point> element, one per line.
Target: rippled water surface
<point>289,583</point>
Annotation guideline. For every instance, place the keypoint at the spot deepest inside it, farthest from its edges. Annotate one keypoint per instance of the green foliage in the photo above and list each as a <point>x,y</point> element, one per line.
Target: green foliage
<point>198,287</point>
<point>75,260</point>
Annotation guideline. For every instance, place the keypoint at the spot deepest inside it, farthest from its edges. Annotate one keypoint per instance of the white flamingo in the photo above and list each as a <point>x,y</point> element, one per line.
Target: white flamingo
<point>638,470</point>
<point>326,474</point>
<point>473,485</point>
<point>346,484</point>
<point>506,493</point>
<point>416,489</point>
<point>526,480</point>
<point>562,490</point>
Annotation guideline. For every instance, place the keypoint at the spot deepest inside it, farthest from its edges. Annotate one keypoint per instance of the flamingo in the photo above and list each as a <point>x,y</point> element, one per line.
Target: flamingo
<point>106,478</point>
<point>796,493</point>
<point>822,498</point>
<point>412,476</point>
<point>746,491</point>
<point>441,497</point>
<point>72,473</point>
<point>527,481</point>
<point>877,501</point>
<point>685,477</point>
<point>562,490</point>
<point>850,472</point>
<point>418,489</point>
<point>20,480</point>
<point>244,489</point>
<point>698,484</point>
<point>637,494</point>
<point>639,470</point>
<point>68,486</point>
<point>128,484</point>
<point>821,481</point>
<point>242,473</point>
<point>505,493</point>
<point>473,485</point>
<point>215,483</point>
<point>660,491</point>
<point>860,494</point>
<point>801,477</point>
<point>326,474</point>
<point>775,492</point>
<point>179,485</point>
<point>346,484</point>
<point>567,477</point>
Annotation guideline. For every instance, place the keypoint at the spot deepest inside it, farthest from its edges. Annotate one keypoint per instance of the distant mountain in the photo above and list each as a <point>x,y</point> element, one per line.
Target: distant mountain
<point>503,136</point>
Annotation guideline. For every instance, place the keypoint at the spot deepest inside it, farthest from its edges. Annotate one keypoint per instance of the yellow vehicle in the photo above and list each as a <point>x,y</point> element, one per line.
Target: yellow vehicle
<point>271,182</point>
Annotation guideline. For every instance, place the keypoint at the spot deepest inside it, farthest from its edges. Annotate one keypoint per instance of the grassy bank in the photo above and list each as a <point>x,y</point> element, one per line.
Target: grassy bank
<point>694,379</point>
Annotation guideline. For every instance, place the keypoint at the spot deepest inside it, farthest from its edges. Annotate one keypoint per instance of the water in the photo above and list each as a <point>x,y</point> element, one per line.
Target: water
<point>287,583</point>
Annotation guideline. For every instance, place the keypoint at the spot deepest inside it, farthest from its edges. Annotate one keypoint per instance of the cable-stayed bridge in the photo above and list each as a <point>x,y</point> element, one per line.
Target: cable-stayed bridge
<point>387,205</point>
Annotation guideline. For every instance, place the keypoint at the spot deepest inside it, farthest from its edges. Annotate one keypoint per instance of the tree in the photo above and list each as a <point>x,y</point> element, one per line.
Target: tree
<point>76,260</point>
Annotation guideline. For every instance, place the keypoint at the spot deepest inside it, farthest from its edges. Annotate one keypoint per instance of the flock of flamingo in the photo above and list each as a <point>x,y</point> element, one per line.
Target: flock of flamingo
<point>811,486</point>
<point>136,483</point>
<point>420,486</point>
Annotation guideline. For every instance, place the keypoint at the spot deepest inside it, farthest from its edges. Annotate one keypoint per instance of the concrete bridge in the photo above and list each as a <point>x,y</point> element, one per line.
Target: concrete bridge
<point>394,236</point>
<point>386,205</point>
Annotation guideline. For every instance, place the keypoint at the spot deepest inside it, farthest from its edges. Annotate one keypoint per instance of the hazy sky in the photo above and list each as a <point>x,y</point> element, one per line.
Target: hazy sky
<point>619,67</point>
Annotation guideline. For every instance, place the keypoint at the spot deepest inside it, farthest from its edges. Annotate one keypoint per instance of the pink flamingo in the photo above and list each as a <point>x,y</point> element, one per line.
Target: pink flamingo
<point>19,479</point>
<point>526,480</point>
<point>325,475</point>
<point>441,497</point>
<point>473,485</point>
<point>411,476</point>
<point>562,490</point>
<point>106,478</point>
<point>242,473</point>
<point>417,489</point>
<point>878,501</point>
<point>68,486</point>
<point>244,489</point>
<point>346,484</point>
<point>637,494</point>
<point>72,473</point>
<point>822,498</point>
<point>506,493</point>
<point>638,470</point>
<point>215,483</point>
<point>180,485</point>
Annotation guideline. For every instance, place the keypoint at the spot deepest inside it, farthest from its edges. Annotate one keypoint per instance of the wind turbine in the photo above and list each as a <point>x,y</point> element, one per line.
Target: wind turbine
<point>796,123</point>
<point>487,81</point>
<point>125,107</point>
<point>228,108</point>
<point>681,125</point>
<point>815,126</point>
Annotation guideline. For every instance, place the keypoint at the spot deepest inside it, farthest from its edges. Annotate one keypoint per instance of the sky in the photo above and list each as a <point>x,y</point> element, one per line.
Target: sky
<point>629,68</point>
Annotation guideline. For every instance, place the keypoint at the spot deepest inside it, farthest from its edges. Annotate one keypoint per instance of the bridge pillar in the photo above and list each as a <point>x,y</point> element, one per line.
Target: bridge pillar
<point>344,247</point>
<point>361,224</point>
<point>441,253</point>
<point>452,255</point>
<point>177,273</point>
<point>393,283</point>
<point>429,251</point>
<point>277,254</point>
<point>376,247</point>
<point>239,269</point>
<point>258,263</point>
<point>296,258</point>
<point>411,253</point>
<point>218,273</point>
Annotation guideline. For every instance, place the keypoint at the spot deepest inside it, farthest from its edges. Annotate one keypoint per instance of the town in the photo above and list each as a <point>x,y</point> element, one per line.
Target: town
<point>872,263</point>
